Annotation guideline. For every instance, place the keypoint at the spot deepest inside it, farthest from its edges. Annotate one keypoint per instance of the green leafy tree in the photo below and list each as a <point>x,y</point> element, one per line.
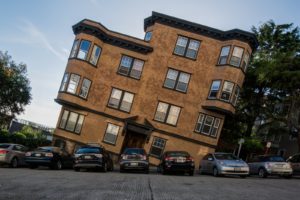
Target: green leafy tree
<point>14,88</point>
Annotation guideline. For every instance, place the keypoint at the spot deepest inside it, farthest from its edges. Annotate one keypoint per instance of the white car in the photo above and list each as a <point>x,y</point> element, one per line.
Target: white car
<point>12,154</point>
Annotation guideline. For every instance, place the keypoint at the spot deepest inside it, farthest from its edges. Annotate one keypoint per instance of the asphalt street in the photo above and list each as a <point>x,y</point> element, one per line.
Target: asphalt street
<point>42,183</point>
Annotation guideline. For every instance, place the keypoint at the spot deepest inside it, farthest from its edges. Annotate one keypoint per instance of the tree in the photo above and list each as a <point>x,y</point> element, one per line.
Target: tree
<point>272,78</point>
<point>14,88</point>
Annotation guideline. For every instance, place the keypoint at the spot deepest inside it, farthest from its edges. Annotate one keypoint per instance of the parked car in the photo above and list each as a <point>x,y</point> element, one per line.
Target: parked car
<point>52,157</point>
<point>95,157</point>
<point>176,161</point>
<point>134,159</point>
<point>12,154</point>
<point>220,164</point>
<point>295,163</point>
<point>266,165</point>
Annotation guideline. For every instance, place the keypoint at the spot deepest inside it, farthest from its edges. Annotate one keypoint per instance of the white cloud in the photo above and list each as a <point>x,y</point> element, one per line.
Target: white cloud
<point>34,35</point>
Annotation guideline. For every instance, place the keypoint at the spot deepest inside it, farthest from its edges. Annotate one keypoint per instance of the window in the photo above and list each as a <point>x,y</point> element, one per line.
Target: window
<point>235,95</point>
<point>71,121</point>
<point>111,133</point>
<point>148,36</point>
<point>177,80</point>
<point>74,49</point>
<point>73,83</point>
<point>64,82</point>
<point>214,89</point>
<point>207,125</point>
<point>167,113</point>
<point>131,67</point>
<point>236,56</point>
<point>95,55</point>
<point>84,90</point>
<point>187,47</point>
<point>226,90</point>
<point>157,147</point>
<point>224,55</point>
<point>84,49</point>
<point>121,100</point>
<point>245,62</point>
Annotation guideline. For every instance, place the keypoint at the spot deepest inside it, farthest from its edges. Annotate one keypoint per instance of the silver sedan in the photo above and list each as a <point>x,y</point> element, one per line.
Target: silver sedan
<point>223,164</point>
<point>12,154</point>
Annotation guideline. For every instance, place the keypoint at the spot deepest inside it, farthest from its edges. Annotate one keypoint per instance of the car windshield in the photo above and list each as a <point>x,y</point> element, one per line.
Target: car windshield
<point>134,151</point>
<point>89,150</point>
<point>225,156</point>
<point>4,146</point>
<point>273,159</point>
<point>178,154</point>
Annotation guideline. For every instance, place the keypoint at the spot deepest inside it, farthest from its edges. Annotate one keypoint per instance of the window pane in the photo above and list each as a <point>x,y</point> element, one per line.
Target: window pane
<point>95,55</point>
<point>173,115</point>
<point>236,56</point>
<point>157,147</point>
<point>214,130</point>
<point>127,102</point>
<point>84,49</point>
<point>161,112</point>
<point>71,121</point>
<point>74,49</point>
<point>227,90</point>
<point>73,83</point>
<point>224,55</point>
<point>137,68</point>
<point>215,86</point>
<point>207,124</point>
<point>125,65</point>
<point>64,118</point>
<point>180,45</point>
<point>115,98</point>
<point>85,88</point>
<point>79,124</point>
<point>193,49</point>
<point>199,122</point>
<point>245,62</point>
<point>171,78</point>
<point>183,82</point>
<point>64,82</point>
<point>236,95</point>
<point>111,133</point>
<point>148,36</point>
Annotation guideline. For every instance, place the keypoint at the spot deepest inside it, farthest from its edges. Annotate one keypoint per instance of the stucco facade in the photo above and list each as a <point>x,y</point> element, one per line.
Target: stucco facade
<point>158,56</point>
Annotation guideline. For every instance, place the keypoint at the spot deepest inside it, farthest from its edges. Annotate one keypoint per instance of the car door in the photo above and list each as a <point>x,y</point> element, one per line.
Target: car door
<point>19,153</point>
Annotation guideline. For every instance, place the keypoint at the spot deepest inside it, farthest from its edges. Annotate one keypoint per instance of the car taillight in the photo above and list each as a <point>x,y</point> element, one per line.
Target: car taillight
<point>169,159</point>
<point>28,154</point>
<point>49,154</point>
<point>191,159</point>
<point>99,155</point>
<point>4,151</point>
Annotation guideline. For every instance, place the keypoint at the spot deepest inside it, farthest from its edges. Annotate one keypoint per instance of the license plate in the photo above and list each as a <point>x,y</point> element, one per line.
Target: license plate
<point>87,157</point>
<point>134,164</point>
<point>37,154</point>
<point>180,160</point>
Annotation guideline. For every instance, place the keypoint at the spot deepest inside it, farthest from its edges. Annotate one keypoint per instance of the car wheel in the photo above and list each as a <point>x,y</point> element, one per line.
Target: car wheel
<point>191,173</point>
<point>14,162</point>
<point>262,173</point>
<point>215,172</point>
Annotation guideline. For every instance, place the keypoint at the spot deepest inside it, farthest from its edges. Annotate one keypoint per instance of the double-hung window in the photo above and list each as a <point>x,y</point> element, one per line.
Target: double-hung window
<point>167,113</point>
<point>224,55</point>
<point>121,100</point>
<point>245,61</point>
<point>95,55</point>
<point>227,90</point>
<point>73,83</point>
<point>74,49</point>
<point>187,47</point>
<point>111,133</point>
<point>71,121</point>
<point>84,49</point>
<point>235,95</point>
<point>84,90</point>
<point>131,67</point>
<point>157,147</point>
<point>236,56</point>
<point>208,125</point>
<point>214,89</point>
<point>177,80</point>
<point>64,82</point>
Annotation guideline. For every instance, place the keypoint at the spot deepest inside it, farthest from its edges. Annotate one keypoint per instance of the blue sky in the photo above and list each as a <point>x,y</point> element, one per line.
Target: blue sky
<point>39,33</point>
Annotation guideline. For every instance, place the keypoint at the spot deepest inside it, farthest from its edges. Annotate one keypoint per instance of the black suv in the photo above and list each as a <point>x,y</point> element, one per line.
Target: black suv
<point>134,159</point>
<point>88,157</point>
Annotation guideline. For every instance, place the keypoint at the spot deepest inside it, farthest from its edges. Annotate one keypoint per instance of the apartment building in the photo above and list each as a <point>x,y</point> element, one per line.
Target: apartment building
<point>170,91</point>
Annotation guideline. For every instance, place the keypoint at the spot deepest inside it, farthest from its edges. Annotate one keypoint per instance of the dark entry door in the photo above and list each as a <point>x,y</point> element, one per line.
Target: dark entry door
<point>134,140</point>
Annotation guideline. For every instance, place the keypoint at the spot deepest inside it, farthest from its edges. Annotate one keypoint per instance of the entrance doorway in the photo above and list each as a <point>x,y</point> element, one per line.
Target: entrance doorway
<point>134,140</point>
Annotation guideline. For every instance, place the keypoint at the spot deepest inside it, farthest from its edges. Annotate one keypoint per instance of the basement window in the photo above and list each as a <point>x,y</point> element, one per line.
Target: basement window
<point>157,147</point>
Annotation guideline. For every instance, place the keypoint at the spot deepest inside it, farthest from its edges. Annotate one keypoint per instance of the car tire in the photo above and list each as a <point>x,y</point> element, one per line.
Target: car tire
<point>215,172</point>
<point>14,163</point>
<point>262,173</point>
<point>191,173</point>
